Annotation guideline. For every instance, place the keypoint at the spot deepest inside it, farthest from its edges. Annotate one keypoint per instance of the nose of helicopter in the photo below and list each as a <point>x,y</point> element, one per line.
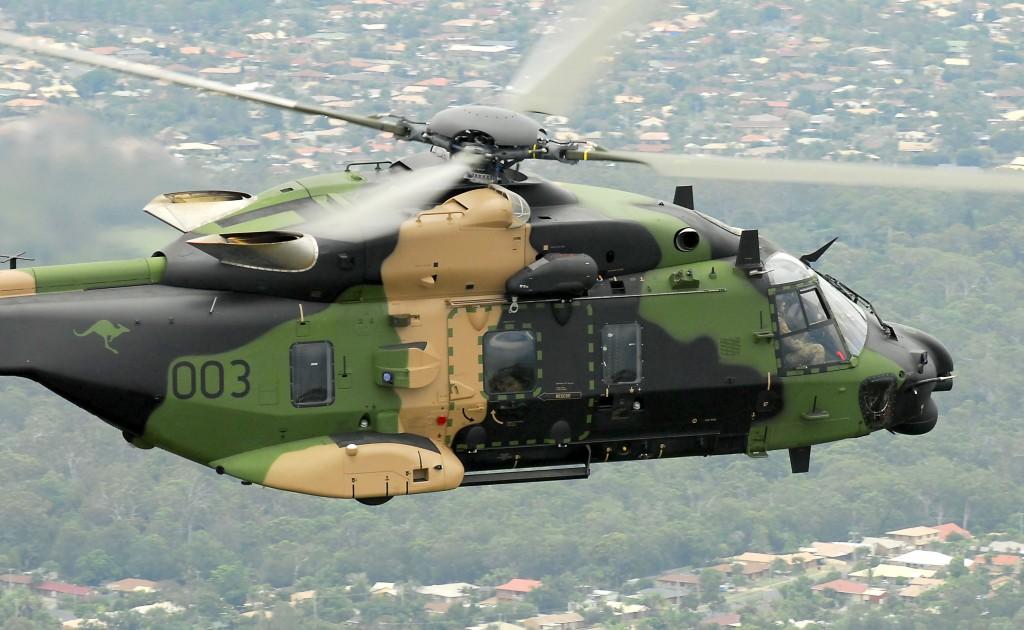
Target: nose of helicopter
<point>929,369</point>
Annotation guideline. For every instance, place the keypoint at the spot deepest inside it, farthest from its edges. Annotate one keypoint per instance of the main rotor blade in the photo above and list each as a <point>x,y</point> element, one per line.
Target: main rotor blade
<point>15,40</point>
<point>385,205</point>
<point>564,62</point>
<point>813,172</point>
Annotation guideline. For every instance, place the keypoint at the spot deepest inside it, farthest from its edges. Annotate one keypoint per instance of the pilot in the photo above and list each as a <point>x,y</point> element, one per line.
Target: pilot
<point>797,350</point>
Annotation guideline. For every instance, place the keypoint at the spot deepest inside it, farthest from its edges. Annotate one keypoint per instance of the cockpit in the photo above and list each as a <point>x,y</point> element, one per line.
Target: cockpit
<point>818,326</point>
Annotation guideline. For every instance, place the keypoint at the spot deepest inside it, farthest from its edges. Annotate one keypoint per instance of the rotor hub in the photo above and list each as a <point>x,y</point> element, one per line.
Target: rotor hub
<point>485,126</point>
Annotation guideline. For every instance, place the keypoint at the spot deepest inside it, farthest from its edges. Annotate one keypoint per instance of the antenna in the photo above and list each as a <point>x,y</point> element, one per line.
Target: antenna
<point>13,260</point>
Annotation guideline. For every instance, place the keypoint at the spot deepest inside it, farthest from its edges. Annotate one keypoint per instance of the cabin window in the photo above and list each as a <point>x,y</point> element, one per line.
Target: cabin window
<point>510,361</point>
<point>312,374</point>
<point>620,353</point>
<point>808,335</point>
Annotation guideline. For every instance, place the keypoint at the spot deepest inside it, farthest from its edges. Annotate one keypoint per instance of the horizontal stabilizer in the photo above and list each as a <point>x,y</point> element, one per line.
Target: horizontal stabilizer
<point>186,211</point>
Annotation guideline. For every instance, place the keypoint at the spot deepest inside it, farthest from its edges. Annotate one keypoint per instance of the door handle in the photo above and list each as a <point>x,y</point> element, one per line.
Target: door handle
<point>820,414</point>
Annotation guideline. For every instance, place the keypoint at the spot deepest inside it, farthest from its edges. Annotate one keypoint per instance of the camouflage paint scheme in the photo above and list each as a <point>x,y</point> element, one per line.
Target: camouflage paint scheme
<point>191,355</point>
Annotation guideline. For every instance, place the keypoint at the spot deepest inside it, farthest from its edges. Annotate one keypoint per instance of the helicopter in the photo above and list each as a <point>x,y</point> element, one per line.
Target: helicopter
<point>452,320</point>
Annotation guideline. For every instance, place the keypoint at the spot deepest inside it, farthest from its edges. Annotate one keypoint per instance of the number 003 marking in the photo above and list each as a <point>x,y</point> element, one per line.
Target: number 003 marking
<point>210,379</point>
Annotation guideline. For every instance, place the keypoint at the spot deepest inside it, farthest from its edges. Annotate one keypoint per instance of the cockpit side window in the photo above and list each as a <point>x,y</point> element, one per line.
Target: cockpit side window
<point>813,310</point>
<point>807,333</point>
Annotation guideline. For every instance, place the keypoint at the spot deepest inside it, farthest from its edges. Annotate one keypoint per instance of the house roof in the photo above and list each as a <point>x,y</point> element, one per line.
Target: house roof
<point>926,558</point>
<point>914,591</point>
<point>750,556</point>
<point>678,578</point>
<point>1005,560</point>
<point>519,585</point>
<point>1006,546</point>
<point>384,588</point>
<point>10,578</point>
<point>947,529</point>
<point>892,571</point>
<point>661,592</point>
<point>753,568</point>
<point>554,619</point>
<point>926,581</point>
<point>914,532</point>
<point>168,607</point>
<point>133,585</point>
<point>846,587</point>
<point>437,608</point>
<point>63,589</point>
<point>446,591</point>
<point>887,543</point>
<point>801,557</point>
<point>622,608</point>
<point>25,102</point>
<point>833,549</point>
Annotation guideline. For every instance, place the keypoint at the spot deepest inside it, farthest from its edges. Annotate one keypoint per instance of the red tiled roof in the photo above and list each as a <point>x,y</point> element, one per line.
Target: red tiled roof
<point>846,587</point>
<point>519,585</point>
<point>1005,560</point>
<point>952,528</point>
<point>63,589</point>
<point>9,578</point>
<point>434,82</point>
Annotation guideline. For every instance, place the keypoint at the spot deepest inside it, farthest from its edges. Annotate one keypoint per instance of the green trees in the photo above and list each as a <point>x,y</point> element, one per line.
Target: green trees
<point>21,610</point>
<point>711,582</point>
<point>231,582</point>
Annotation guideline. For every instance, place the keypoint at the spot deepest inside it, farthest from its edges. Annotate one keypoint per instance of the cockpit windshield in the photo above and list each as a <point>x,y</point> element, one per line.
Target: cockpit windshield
<point>784,268</point>
<point>817,324</point>
<point>852,319</point>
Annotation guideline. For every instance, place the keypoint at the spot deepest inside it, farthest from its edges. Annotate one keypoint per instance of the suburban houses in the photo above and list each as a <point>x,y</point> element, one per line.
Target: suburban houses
<point>772,89</point>
<point>860,572</point>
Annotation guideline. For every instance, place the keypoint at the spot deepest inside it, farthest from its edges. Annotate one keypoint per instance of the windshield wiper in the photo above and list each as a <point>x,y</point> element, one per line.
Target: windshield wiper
<point>857,298</point>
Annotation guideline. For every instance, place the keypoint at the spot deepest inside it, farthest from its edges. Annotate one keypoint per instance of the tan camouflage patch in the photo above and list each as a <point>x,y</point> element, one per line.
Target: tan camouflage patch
<point>15,283</point>
<point>466,247</point>
<point>366,470</point>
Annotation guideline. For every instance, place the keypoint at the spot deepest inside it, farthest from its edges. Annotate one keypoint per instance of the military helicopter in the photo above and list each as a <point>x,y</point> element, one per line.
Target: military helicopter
<point>453,320</point>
